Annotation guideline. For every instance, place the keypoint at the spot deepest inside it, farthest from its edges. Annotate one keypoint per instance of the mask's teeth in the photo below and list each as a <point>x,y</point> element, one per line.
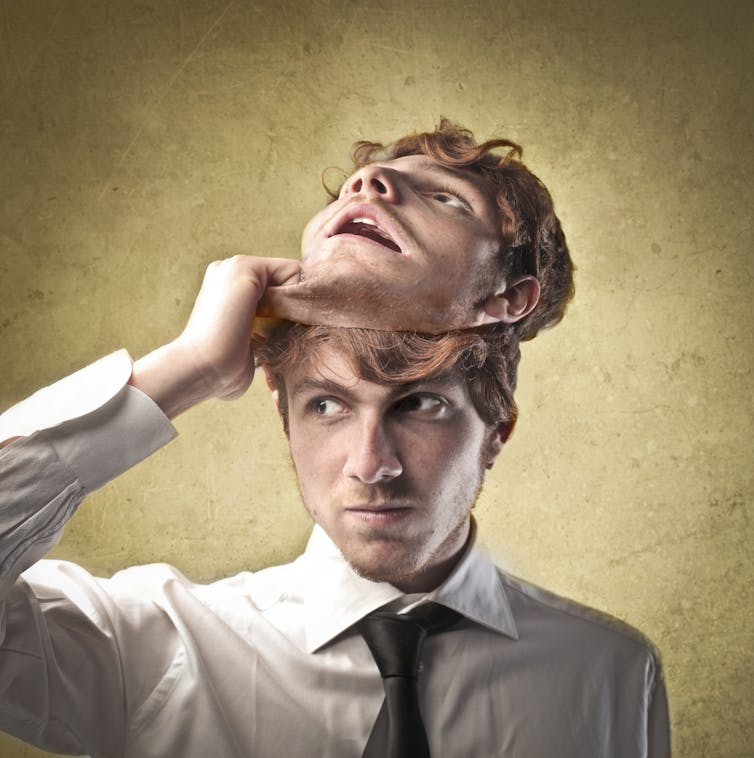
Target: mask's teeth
<point>370,229</point>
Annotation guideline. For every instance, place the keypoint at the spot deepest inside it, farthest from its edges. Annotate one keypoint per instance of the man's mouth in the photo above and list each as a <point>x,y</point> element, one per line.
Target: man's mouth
<point>379,515</point>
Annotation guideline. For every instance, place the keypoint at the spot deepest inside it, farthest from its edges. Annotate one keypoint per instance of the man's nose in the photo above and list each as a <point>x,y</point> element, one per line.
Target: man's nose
<point>374,181</point>
<point>372,457</point>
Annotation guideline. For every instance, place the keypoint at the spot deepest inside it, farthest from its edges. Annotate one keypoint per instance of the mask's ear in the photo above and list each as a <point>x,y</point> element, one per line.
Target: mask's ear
<point>498,437</point>
<point>510,304</point>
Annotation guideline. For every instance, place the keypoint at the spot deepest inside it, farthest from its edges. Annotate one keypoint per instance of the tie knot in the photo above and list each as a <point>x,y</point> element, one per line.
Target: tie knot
<point>396,640</point>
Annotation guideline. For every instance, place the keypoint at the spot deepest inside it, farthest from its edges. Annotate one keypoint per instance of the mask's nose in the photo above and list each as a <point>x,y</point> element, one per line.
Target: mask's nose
<point>375,181</point>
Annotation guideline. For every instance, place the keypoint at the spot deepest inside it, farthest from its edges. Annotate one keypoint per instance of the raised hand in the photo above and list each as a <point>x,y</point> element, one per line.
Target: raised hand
<point>213,355</point>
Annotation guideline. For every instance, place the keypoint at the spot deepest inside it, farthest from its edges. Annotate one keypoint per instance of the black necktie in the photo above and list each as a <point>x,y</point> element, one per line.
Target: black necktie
<point>396,643</point>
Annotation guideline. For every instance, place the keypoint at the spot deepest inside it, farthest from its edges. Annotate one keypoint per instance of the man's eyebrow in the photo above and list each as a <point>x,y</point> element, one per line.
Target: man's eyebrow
<point>321,384</point>
<point>313,384</point>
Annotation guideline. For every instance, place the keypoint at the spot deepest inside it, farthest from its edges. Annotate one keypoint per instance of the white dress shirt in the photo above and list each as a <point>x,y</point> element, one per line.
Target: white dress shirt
<point>268,664</point>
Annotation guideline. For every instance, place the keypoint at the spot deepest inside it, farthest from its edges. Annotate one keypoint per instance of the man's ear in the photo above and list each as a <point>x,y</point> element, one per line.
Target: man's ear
<point>273,388</point>
<point>499,435</point>
<point>511,303</point>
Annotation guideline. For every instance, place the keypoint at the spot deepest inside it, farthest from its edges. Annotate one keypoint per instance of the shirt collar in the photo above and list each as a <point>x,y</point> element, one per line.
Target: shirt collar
<point>335,597</point>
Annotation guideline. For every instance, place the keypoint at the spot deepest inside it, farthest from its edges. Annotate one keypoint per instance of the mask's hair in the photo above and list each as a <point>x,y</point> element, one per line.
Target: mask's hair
<point>533,240</point>
<point>480,356</point>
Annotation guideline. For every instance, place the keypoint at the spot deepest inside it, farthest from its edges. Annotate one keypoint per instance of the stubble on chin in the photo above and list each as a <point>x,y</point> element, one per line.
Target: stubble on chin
<point>332,293</point>
<point>400,562</point>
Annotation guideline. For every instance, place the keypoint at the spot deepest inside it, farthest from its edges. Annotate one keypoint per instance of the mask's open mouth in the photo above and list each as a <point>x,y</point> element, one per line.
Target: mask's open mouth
<point>365,227</point>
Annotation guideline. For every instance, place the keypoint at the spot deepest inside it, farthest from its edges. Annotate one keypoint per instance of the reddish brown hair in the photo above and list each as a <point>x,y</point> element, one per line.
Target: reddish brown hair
<point>392,358</point>
<point>533,240</point>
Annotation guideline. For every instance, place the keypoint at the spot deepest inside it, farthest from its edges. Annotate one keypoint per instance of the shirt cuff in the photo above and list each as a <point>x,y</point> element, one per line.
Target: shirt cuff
<point>102,444</point>
<point>75,396</point>
<point>98,425</point>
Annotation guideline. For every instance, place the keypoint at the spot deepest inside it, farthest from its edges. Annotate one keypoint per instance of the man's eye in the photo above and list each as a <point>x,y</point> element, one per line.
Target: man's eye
<point>326,407</point>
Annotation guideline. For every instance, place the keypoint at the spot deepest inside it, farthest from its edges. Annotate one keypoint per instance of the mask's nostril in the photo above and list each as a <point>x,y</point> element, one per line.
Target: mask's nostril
<point>356,186</point>
<point>379,186</point>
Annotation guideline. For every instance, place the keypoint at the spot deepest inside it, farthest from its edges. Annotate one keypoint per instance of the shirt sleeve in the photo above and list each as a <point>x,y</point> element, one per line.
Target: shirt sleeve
<point>67,450</point>
<point>658,726</point>
<point>72,397</point>
<point>60,635</point>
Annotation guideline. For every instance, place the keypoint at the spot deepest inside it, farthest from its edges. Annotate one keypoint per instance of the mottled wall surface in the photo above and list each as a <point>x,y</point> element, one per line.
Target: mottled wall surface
<point>142,140</point>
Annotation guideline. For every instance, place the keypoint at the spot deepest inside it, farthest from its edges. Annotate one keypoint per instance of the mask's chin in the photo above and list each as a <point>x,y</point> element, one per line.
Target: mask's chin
<point>348,301</point>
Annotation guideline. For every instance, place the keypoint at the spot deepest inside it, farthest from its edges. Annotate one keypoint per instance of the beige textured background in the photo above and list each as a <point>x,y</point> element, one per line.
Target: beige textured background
<point>142,140</point>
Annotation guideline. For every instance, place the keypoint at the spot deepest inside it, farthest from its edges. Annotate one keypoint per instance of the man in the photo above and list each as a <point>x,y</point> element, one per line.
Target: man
<point>390,434</point>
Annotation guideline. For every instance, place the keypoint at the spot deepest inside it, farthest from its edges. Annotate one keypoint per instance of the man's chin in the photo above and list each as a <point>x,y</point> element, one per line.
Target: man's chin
<point>382,561</point>
<point>379,574</point>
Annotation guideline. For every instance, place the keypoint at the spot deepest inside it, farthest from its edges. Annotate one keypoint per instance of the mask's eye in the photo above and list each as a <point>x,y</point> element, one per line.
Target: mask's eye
<point>422,403</point>
<point>452,198</point>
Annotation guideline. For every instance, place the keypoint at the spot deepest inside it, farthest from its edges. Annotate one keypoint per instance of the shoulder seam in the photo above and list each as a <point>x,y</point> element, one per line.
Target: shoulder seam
<point>579,611</point>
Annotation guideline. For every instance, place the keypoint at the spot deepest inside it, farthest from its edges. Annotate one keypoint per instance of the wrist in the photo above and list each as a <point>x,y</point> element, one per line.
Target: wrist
<point>172,377</point>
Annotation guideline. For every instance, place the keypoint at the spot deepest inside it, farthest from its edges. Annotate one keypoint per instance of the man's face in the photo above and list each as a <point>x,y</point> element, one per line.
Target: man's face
<point>409,244</point>
<point>390,473</point>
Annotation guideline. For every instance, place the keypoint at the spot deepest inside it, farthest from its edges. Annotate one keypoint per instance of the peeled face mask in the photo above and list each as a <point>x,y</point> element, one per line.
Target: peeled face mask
<point>333,295</point>
<point>398,251</point>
